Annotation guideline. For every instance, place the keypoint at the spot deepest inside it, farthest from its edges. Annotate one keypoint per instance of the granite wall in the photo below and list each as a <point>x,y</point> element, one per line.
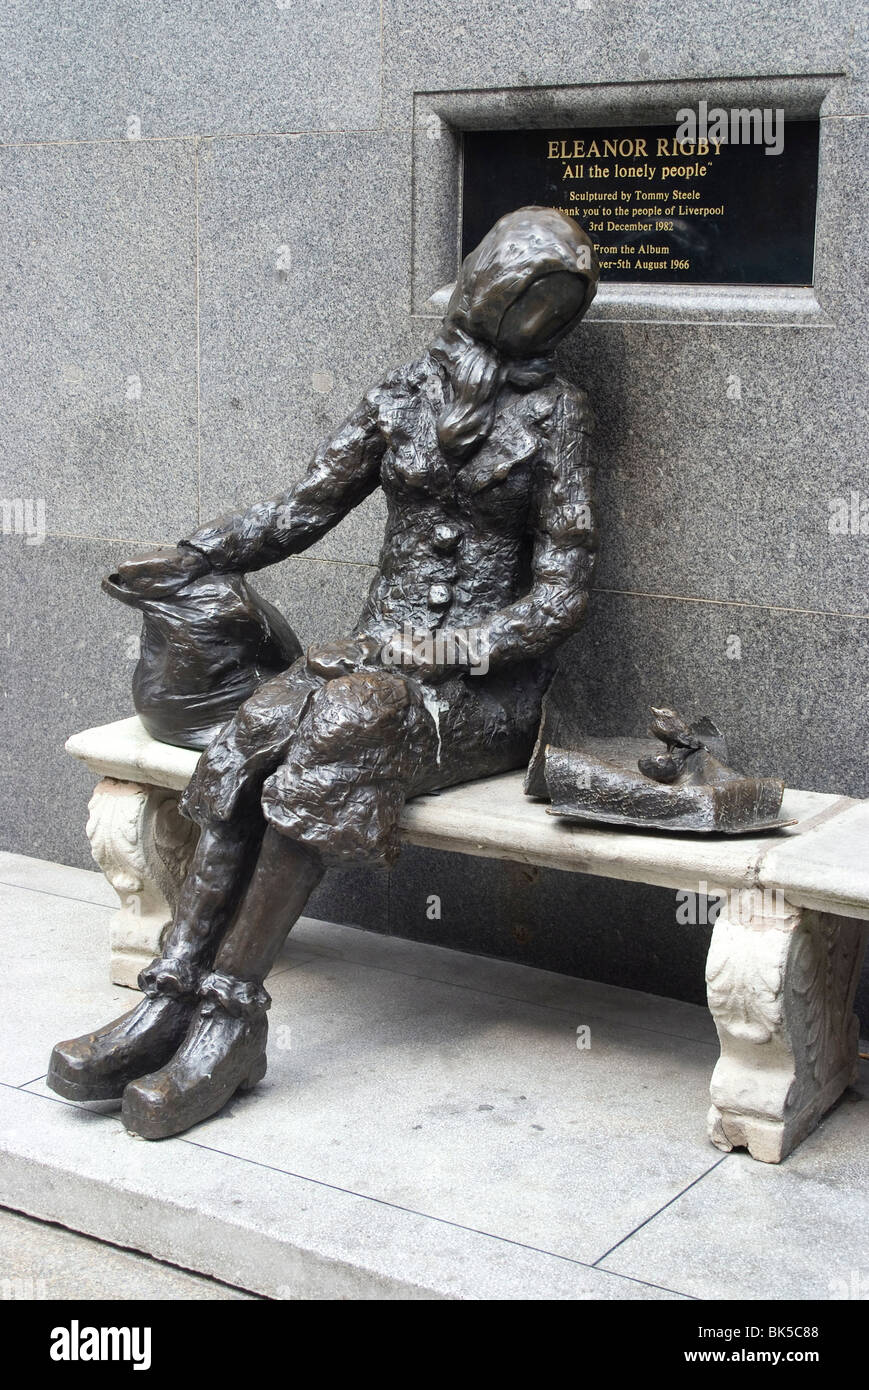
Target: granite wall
<point>222,221</point>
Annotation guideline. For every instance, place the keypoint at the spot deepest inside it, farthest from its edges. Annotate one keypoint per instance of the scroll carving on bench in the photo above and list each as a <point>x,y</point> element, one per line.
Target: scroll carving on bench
<point>143,847</point>
<point>781,983</point>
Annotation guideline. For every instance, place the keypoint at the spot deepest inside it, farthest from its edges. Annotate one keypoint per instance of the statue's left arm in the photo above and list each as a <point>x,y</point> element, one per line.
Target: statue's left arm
<point>564,543</point>
<point>343,471</point>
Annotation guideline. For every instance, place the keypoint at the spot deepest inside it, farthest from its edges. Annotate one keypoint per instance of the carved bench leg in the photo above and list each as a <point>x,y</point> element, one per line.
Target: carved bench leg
<point>143,847</point>
<point>781,983</point>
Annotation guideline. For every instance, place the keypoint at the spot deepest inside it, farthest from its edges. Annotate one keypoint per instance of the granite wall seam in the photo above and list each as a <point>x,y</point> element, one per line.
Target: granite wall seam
<point>734,603</point>
<point>198,349</point>
<point>140,541</point>
<point>192,137</point>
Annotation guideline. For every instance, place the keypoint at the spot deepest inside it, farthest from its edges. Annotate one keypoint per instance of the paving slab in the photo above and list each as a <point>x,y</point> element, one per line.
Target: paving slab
<point>43,876</point>
<point>258,1228</point>
<point>57,982</point>
<point>54,984</point>
<point>584,999</point>
<point>797,1231</point>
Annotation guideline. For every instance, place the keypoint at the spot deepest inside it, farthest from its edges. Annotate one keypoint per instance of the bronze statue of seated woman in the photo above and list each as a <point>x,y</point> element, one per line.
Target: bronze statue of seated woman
<point>482,452</point>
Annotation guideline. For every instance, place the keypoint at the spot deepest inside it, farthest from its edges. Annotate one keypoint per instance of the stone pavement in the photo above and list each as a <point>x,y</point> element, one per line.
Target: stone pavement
<point>428,1128</point>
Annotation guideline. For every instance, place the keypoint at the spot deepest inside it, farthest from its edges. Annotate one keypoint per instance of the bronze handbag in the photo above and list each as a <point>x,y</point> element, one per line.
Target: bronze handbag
<point>206,646</point>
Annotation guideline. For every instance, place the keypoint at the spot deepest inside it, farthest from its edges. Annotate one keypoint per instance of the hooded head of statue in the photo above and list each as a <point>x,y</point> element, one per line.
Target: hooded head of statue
<point>530,280</point>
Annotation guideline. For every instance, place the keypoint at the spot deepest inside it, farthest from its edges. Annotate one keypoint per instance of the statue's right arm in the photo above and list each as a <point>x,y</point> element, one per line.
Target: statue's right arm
<point>343,471</point>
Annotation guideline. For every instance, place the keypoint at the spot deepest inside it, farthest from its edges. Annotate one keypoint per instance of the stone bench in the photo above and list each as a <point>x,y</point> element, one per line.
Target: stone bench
<point>786,948</point>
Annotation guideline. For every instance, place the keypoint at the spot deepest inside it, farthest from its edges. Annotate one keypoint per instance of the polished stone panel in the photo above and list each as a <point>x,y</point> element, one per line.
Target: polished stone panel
<point>841,255</point>
<point>787,688</point>
<point>357,897</point>
<point>527,45</point>
<point>91,72</point>
<point>321,599</point>
<point>296,327</point>
<point>98,392</point>
<point>724,456</point>
<point>625,934</point>
<point>70,653</point>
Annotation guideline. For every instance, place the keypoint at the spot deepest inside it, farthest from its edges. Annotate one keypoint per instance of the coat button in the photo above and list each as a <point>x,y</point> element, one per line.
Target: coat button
<point>446,537</point>
<point>439,596</point>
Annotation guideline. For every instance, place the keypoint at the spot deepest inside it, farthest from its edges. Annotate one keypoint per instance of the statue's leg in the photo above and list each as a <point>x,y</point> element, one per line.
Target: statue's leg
<point>335,799</point>
<point>219,870</point>
<point>98,1065</point>
<point>225,1046</point>
<point>223,797</point>
<point>365,739</point>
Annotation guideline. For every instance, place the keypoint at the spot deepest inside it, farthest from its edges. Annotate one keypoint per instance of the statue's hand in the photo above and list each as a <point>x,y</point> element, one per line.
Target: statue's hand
<point>334,659</point>
<point>161,571</point>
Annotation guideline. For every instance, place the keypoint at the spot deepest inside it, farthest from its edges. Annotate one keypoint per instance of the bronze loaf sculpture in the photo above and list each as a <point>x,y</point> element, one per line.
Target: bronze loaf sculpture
<point>482,452</point>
